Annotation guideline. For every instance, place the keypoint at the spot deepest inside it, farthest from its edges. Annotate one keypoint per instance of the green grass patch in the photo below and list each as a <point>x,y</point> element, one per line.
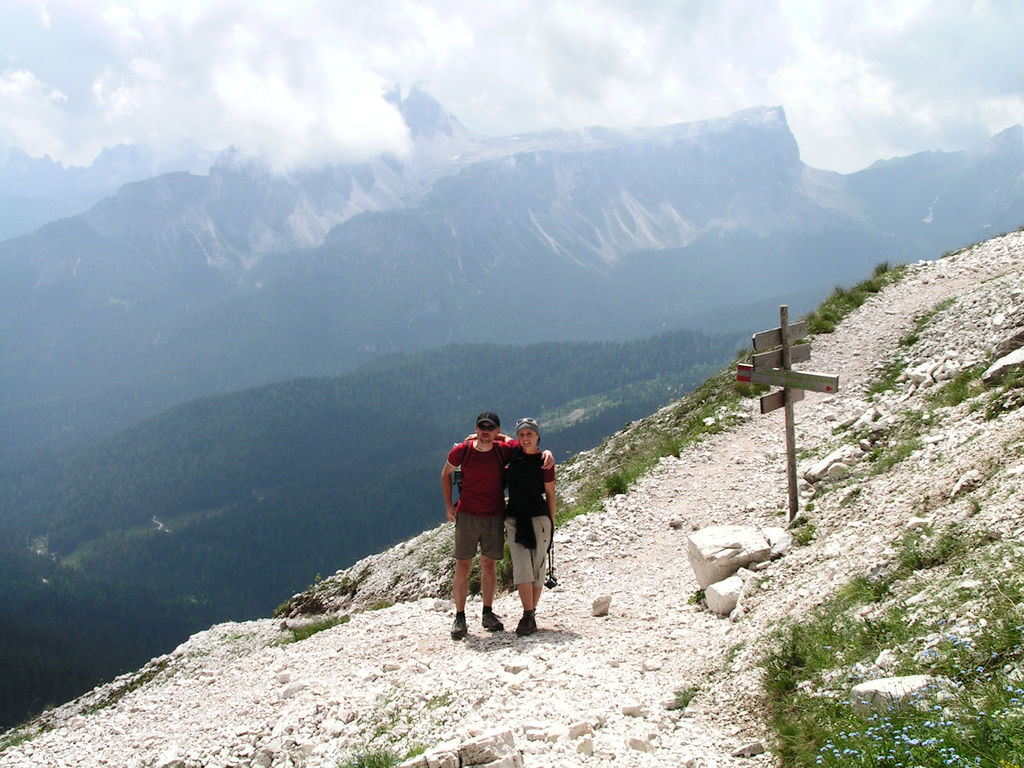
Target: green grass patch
<point>843,301</point>
<point>802,530</point>
<point>888,376</point>
<point>922,322</point>
<point>16,738</point>
<point>902,442</point>
<point>921,551</point>
<point>966,385</point>
<point>975,645</point>
<point>303,631</point>
<point>371,758</point>
<point>684,696</point>
<point>1008,395</point>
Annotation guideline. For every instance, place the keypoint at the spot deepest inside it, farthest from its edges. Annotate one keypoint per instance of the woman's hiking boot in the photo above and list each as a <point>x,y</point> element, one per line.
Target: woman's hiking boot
<point>459,626</point>
<point>491,622</point>
<point>527,624</point>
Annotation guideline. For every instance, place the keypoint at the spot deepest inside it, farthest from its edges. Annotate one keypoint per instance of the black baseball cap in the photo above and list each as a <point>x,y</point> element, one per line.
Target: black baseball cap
<point>490,416</point>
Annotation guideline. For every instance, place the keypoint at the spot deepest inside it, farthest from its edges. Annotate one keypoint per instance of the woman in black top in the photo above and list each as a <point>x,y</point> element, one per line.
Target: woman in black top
<point>529,519</point>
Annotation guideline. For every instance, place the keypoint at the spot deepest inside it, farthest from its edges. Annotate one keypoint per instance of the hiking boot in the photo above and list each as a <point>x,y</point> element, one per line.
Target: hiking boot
<point>492,623</point>
<point>527,625</point>
<point>459,627</point>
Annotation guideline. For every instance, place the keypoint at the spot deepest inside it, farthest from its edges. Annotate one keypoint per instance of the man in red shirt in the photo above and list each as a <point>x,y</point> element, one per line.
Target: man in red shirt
<point>480,515</point>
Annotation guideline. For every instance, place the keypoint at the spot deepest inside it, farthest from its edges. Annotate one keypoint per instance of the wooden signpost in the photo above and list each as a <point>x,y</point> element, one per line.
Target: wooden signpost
<point>774,366</point>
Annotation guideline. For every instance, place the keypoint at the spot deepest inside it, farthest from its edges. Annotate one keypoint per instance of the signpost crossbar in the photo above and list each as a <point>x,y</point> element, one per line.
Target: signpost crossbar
<point>800,353</point>
<point>780,377</point>
<point>778,398</point>
<point>773,337</point>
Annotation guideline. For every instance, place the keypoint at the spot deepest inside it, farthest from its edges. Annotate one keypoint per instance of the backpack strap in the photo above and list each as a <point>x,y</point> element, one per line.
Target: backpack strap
<point>466,445</point>
<point>498,447</point>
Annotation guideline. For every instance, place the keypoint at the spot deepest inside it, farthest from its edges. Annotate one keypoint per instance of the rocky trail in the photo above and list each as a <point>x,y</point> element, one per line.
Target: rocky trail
<point>594,690</point>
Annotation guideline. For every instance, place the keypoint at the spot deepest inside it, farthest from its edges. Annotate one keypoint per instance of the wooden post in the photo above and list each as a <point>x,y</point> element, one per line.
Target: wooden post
<point>773,365</point>
<point>787,363</point>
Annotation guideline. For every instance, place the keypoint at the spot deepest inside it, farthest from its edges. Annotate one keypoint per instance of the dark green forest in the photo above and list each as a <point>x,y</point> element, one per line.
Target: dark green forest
<point>221,508</point>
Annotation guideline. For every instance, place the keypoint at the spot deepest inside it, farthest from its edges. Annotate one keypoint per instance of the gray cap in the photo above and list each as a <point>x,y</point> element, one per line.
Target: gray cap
<point>528,423</point>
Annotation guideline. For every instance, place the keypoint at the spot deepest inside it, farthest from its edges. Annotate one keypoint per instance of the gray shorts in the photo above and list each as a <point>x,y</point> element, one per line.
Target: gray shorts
<point>487,532</point>
<point>529,565</point>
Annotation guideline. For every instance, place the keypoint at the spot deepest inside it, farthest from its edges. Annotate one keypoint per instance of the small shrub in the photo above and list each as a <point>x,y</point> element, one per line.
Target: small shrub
<point>921,552</point>
<point>684,696</point>
<point>961,388</point>
<point>802,530</point>
<point>371,758</point>
<point>888,376</point>
<point>616,483</point>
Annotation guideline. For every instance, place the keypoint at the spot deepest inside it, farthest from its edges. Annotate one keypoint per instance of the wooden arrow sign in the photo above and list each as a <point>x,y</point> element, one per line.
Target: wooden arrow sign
<point>778,377</point>
<point>779,398</point>
<point>773,337</point>
<point>800,353</point>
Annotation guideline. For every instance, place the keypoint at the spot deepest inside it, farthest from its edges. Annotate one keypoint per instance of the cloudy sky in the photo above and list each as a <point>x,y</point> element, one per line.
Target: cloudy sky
<point>301,82</point>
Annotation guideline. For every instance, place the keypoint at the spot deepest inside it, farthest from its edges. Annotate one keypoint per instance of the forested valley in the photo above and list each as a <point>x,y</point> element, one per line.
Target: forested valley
<point>221,508</point>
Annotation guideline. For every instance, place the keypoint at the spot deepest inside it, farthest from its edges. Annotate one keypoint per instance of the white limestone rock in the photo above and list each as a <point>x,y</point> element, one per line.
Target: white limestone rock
<point>968,481</point>
<point>998,370</point>
<point>891,692</point>
<point>749,750</point>
<point>601,605</point>
<point>846,455</point>
<point>780,540</point>
<point>722,596</point>
<point>488,748</point>
<point>716,553</point>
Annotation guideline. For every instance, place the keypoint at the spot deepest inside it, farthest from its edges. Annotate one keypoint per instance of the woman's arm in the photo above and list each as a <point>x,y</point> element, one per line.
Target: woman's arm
<point>549,491</point>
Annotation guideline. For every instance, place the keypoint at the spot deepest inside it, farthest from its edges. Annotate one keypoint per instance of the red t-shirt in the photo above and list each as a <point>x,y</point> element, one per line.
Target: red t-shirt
<point>483,484</point>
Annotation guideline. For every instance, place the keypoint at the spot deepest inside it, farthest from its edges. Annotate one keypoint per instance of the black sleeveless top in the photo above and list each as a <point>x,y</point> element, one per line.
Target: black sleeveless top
<point>525,477</point>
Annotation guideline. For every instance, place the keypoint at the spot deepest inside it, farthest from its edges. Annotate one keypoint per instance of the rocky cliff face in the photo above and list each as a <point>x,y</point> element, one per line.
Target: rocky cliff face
<point>893,450</point>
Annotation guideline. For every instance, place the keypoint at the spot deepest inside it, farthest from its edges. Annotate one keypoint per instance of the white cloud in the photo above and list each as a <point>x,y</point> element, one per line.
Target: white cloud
<point>304,81</point>
<point>32,113</point>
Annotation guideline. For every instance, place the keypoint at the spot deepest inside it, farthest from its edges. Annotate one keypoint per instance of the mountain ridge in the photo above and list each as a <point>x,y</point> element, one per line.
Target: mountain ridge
<point>182,286</point>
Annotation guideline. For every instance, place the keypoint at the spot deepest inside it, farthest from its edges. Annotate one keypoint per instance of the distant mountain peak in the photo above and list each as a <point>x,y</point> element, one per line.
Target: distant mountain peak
<point>425,116</point>
<point>1010,139</point>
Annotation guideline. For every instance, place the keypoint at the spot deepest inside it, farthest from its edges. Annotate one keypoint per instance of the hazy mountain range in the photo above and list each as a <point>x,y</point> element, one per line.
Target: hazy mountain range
<point>183,285</point>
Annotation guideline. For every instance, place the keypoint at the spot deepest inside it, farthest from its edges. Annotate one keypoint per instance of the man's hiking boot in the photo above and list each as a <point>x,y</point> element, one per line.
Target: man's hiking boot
<point>527,625</point>
<point>491,622</point>
<point>459,626</point>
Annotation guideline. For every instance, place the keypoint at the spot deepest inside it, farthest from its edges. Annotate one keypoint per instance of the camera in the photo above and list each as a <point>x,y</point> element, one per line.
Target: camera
<point>552,581</point>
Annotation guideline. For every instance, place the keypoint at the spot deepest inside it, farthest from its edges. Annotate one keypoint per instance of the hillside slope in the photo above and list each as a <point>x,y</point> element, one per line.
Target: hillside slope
<point>587,690</point>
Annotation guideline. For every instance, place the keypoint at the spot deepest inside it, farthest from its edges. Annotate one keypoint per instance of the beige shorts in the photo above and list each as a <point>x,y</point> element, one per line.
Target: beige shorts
<point>529,565</point>
<point>471,531</point>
